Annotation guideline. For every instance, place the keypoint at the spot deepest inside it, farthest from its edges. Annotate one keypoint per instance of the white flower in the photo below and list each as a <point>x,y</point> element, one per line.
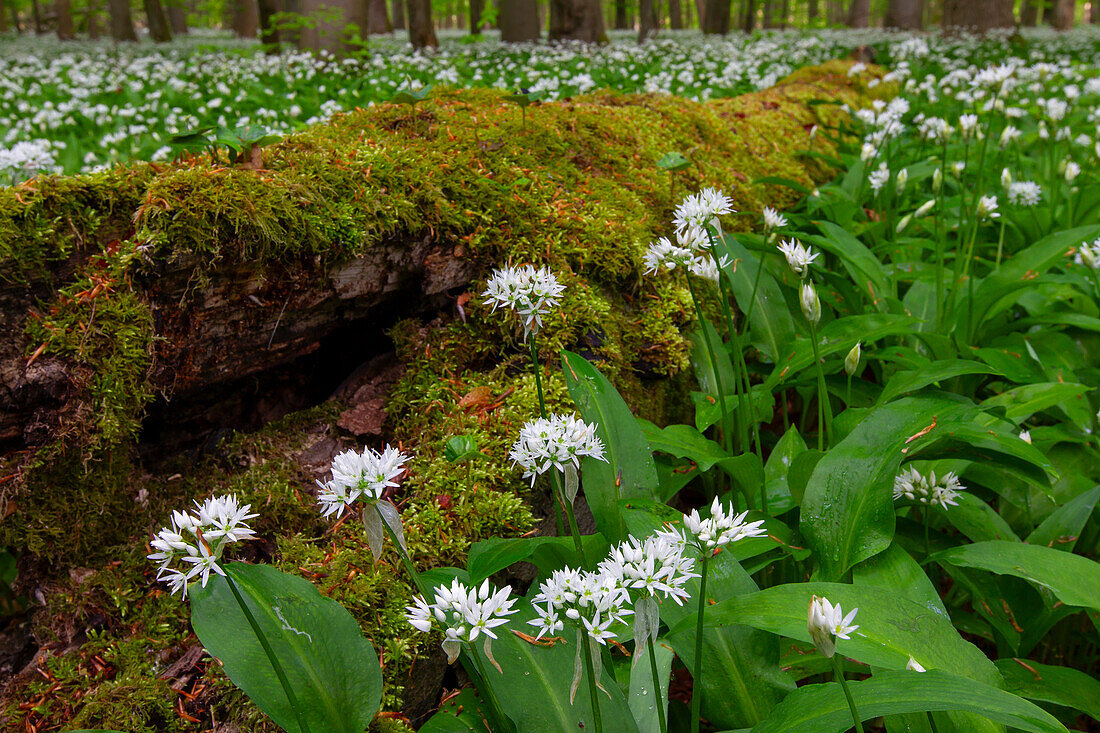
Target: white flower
<point>879,177</point>
<point>719,529</point>
<point>655,567</point>
<point>592,602</point>
<point>199,539</point>
<point>664,255</point>
<point>911,484</point>
<point>811,305</point>
<point>702,209</point>
<point>1025,435</point>
<point>914,666</point>
<point>968,124</point>
<point>1006,178</point>
<point>798,257</point>
<point>827,623</point>
<point>1008,135</point>
<point>354,475</point>
<point>773,219</point>
<point>1072,170</point>
<point>900,180</point>
<point>528,291</point>
<point>558,441</point>
<point>1024,193</point>
<point>1089,255</point>
<point>464,614</point>
<point>987,207</point>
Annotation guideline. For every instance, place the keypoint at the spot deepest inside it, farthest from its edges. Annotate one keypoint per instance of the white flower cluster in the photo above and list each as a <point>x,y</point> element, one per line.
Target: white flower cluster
<point>27,159</point>
<point>719,529</point>
<point>1024,193</point>
<point>773,219</point>
<point>914,486</point>
<point>827,623</point>
<point>1088,254</point>
<point>464,614</point>
<point>799,257</point>
<point>199,538</point>
<point>359,475</point>
<point>528,291</point>
<point>693,242</point>
<point>655,567</point>
<point>700,210</point>
<point>591,601</point>
<point>559,441</point>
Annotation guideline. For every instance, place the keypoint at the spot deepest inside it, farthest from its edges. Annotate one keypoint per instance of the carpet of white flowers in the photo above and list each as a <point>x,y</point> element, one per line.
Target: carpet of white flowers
<point>76,106</point>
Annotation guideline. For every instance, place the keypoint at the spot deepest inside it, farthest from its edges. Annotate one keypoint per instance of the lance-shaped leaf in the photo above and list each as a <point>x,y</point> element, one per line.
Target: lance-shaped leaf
<point>758,294</point>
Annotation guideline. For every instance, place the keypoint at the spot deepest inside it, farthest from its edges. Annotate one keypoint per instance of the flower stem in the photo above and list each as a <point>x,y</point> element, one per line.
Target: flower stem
<point>838,672</point>
<point>567,507</point>
<point>283,681</point>
<point>931,721</point>
<point>597,723</point>
<point>657,694</point>
<point>410,568</point>
<point>487,691</point>
<point>697,673</point>
<point>538,376</point>
<point>824,411</point>
<point>726,432</point>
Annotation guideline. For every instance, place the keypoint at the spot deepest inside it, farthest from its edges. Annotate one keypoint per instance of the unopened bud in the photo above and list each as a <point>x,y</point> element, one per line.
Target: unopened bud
<point>811,306</point>
<point>904,223</point>
<point>937,180</point>
<point>900,180</point>
<point>924,208</point>
<point>1006,178</point>
<point>851,362</point>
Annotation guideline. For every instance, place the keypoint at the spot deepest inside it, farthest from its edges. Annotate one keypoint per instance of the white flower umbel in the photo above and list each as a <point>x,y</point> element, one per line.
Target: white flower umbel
<point>914,486</point>
<point>879,177</point>
<point>464,614</point>
<point>1088,254</point>
<point>798,256</point>
<point>664,255</point>
<point>530,292</point>
<point>559,442</point>
<point>773,219</point>
<point>702,209</point>
<point>593,603</point>
<point>987,208</point>
<point>365,477</point>
<point>199,539</point>
<point>1024,193</point>
<point>827,623</point>
<point>719,529</point>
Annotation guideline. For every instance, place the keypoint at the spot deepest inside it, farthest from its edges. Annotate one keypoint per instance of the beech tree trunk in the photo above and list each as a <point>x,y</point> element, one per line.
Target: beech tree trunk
<point>767,10</point>
<point>378,18</point>
<point>177,18</point>
<point>647,20</point>
<point>519,21</point>
<point>122,23</point>
<point>904,14</point>
<point>477,7</point>
<point>577,20</point>
<point>716,17</point>
<point>700,12</point>
<point>675,15</point>
<point>421,30</point>
<point>246,18</point>
<point>859,14</point>
<point>978,15</point>
<point>397,14</point>
<point>620,15</point>
<point>36,16</point>
<point>3,18</point>
<point>812,11</point>
<point>157,20</point>
<point>1063,12</point>
<point>1029,13</point>
<point>268,35</point>
<point>1095,12</point>
<point>64,10</point>
<point>748,20</point>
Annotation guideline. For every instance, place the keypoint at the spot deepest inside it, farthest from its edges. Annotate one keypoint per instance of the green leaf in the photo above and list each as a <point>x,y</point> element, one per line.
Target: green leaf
<point>770,322</point>
<point>1072,578</point>
<point>460,714</point>
<point>848,508</point>
<point>911,381</point>
<point>897,571</point>
<point>708,410</point>
<point>332,669</point>
<point>977,520</point>
<point>1022,402</point>
<point>461,448</point>
<point>776,470</point>
<point>643,703</point>
<point>1061,529</point>
<point>864,268</point>
<point>822,708</point>
<point>491,555</point>
<point>892,628</point>
<point>673,162</point>
<point>629,471</point>
<point>1049,683</point>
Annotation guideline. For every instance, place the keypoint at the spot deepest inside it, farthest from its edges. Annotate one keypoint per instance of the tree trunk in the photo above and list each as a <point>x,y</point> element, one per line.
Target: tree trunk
<point>159,30</point>
<point>378,18</point>
<point>519,21</point>
<point>700,12</point>
<point>978,15</point>
<point>36,16</point>
<point>477,7</point>
<point>1063,12</point>
<point>177,18</point>
<point>1029,13</point>
<point>766,11</point>
<point>834,12</point>
<point>675,15</point>
<point>269,36</point>
<point>3,18</point>
<point>246,18</point>
<point>716,17</point>
<point>334,19</point>
<point>64,10</point>
<point>620,15</point>
<point>122,23</point>
<point>859,14</point>
<point>397,13</point>
<point>577,20</point>
<point>647,20</point>
<point>904,14</point>
<point>812,11</point>
<point>421,30</point>
<point>91,19</point>
<point>748,19</point>
<point>1094,13</point>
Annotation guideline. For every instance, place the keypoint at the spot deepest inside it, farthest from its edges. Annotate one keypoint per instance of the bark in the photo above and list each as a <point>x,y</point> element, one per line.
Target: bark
<point>3,18</point>
<point>834,11</point>
<point>748,21</point>
<point>157,21</point>
<point>36,16</point>
<point>577,20</point>
<point>177,18</point>
<point>716,17</point>
<point>904,14</point>
<point>64,9</point>
<point>767,10</point>
<point>122,23</point>
<point>620,15</point>
<point>398,14</point>
<point>378,18</point>
<point>332,20</point>
<point>269,36</point>
<point>812,11</point>
<point>421,30</point>
<point>1029,13</point>
<point>675,15</point>
<point>246,18</point>
<point>647,20</point>
<point>978,15</point>
<point>477,7</point>
<point>519,21</point>
<point>1095,11</point>
<point>1063,11</point>
<point>859,14</point>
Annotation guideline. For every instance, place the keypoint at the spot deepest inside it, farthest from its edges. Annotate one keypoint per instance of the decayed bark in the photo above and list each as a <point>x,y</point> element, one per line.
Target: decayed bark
<point>519,21</point>
<point>122,23</point>
<point>157,20</point>
<point>978,15</point>
<point>905,14</point>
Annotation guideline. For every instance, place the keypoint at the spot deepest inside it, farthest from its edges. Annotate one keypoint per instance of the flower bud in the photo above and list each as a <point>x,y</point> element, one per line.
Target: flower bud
<point>1006,178</point>
<point>900,180</point>
<point>811,305</point>
<point>851,362</point>
<point>937,180</point>
<point>904,223</point>
<point>1072,171</point>
<point>924,208</point>
<point>914,666</point>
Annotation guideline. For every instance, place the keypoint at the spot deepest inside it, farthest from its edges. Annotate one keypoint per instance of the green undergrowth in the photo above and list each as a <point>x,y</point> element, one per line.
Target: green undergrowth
<point>577,190</point>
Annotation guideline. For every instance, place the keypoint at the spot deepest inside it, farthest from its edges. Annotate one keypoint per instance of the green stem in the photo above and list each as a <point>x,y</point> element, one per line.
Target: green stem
<point>567,507</point>
<point>927,544</point>
<point>848,397</point>
<point>287,689</point>
<point>597,723</point>
<point>726,432</point>
<point>931,722</point>
<point>657,694</point>
<point>838,671</point>
<point>697,673</point>
<point>1001,242</point>
<point>410,568</point>
<point>824,411</point>
<point>487,690</point>
<point>538,376</point>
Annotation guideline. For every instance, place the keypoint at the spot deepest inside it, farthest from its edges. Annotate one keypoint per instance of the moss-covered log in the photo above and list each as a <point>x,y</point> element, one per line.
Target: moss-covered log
<point>155,290</point>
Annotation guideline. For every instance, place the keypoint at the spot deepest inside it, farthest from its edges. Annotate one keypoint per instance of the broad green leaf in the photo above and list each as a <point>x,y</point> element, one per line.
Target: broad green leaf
<point>892,628</point>
<point>985,438</point>
<point>708,410</point>
<point>331,668</point>
<point>777,468</point>
<point>822,708</point>
<point>897,571</point>
<point>629,471</point>
<point>977,520</point>
<point>643,702</point>
<point>459,714</point>
<point>494,554</point>
<point>770,322</point>
<point>848,507</point>
<point>867,272</point>
<point>461,448</point>
<point>1022,402</point>
<point>1072,578</point>
<point>704,334</point>
<point>802,469</point>
<point>684,441</point>
<point>911,381</point>
<point>1061,529</point>
<point>1071,688</point>
<point>673,162</point>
